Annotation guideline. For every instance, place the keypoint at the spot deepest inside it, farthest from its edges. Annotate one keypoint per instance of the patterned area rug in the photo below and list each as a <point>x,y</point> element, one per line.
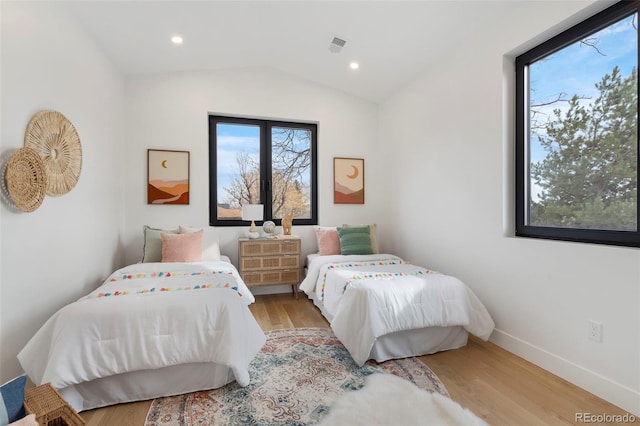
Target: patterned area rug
<point>295,378</point>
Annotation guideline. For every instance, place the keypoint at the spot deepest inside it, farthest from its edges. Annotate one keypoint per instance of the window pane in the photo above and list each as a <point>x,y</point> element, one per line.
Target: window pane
<point>582,151</point>
<point>238,168</point>
<point>291,172</point>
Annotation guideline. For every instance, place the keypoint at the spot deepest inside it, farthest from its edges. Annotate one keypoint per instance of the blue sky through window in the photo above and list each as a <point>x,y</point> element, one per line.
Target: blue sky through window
<point>575,70</point>
<point>232,139</point>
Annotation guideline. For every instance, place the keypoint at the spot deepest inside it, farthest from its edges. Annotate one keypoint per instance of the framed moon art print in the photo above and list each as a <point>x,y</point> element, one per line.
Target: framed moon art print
<point>167,177</point>
<point>348,180</point>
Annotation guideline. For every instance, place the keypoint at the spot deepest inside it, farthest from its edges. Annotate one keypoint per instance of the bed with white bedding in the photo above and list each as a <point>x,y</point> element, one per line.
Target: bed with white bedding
<point>150,330</point>
<point>382,307</point>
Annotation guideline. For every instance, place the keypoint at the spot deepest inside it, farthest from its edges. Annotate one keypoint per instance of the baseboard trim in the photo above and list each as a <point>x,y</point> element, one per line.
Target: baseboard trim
<point>613,392</point>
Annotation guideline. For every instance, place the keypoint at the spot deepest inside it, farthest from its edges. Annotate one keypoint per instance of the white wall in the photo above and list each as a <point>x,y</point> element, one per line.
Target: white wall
<point>64,249</point>
<point>171,112</point>
<point>454,137</point>
<point>438,162</point>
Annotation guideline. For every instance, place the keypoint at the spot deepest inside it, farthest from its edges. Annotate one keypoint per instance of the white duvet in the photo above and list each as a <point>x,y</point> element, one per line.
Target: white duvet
<point>370,296</point>
<point>148,316</point>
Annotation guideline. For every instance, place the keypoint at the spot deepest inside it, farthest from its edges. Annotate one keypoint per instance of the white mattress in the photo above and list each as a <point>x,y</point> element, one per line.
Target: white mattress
<point>310,258</point>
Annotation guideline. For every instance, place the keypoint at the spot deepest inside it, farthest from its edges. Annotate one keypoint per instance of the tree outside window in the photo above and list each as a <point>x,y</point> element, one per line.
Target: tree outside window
<point>577,134</point>
<point>262,162</point>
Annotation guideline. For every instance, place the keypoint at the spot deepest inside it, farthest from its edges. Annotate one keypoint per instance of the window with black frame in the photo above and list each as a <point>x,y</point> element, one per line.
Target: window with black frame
<point>253,161</point>
<point>577,132</point>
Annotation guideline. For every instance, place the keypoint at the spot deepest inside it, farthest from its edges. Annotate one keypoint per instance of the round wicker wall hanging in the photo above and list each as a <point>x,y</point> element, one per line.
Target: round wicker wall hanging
<point>58,144</point>
<point>26,179</point>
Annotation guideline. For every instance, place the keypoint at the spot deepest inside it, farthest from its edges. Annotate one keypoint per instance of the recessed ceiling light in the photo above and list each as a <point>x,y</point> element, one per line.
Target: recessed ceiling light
<point>354,65</point>
<point>176,40</point>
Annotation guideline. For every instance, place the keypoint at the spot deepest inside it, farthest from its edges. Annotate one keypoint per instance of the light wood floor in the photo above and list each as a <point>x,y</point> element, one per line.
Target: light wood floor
<point>498,386</point>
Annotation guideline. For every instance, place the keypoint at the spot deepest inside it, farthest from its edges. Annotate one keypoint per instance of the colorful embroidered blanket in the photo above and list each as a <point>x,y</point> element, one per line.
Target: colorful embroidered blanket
<point>375,276</point>
<point>127,282</point>
<point>337,277</point>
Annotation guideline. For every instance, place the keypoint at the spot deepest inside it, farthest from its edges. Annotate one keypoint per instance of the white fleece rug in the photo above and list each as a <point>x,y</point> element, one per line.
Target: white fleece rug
<point>386,399</point>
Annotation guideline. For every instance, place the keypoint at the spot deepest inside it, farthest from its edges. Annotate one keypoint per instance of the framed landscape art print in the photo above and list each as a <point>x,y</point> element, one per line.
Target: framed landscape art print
<point>348,180</point>
<point>167,177</point>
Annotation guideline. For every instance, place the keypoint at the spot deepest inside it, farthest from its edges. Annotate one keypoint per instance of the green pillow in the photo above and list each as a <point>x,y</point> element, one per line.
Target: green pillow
<point>355,240</point>
<point>152,250</point>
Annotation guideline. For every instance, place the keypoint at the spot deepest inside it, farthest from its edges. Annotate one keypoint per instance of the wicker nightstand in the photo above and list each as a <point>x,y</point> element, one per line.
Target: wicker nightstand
<point>270,262</point>
<point>49,407</point>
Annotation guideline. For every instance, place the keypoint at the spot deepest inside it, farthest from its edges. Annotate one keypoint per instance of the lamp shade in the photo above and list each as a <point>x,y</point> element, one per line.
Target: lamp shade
<point>252,211</point>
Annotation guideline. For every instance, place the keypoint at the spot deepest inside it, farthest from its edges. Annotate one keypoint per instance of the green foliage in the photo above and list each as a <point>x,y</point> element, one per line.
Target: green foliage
<point>589,175</point>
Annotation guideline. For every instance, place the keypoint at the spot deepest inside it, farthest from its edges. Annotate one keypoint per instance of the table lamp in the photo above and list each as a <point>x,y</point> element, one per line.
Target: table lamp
<point>252,212</point>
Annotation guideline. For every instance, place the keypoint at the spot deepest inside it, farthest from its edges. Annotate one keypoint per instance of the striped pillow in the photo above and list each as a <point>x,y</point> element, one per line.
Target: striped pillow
<point>355,240</point>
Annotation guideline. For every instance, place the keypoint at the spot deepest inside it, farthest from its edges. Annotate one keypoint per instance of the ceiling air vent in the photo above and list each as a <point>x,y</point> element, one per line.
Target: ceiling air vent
<point>336,45</point>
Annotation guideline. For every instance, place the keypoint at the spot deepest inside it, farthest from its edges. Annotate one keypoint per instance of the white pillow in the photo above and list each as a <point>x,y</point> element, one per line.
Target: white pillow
<point>152,250</point>
<point>210,241</point>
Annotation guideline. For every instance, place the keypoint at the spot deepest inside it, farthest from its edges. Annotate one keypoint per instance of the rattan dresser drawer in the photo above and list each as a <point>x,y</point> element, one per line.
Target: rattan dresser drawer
<point>275,277</point>
<point>270,262</point>
<point>269,247</point>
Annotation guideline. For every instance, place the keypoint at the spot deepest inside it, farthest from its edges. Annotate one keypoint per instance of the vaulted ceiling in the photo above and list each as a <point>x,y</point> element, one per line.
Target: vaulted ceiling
<point>393,41</point>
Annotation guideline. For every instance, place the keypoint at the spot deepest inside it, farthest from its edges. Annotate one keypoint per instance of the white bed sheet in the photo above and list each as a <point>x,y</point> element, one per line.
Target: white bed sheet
<point>382,294</point>
<point>148,317</point>
<point>147,384</point>
<point>407,343</point>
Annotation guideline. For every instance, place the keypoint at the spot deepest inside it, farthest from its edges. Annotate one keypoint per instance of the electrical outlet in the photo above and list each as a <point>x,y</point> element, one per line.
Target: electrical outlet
<point>595,331</point>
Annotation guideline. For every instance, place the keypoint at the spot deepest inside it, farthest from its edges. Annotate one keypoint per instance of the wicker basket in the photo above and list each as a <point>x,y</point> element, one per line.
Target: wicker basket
<point>57,142</point>
<point>26,179</point>
<point>49,407</point>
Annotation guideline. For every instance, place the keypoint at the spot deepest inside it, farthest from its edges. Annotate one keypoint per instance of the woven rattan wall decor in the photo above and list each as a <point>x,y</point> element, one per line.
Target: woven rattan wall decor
<point>26,179</point>
<point>57,142</point>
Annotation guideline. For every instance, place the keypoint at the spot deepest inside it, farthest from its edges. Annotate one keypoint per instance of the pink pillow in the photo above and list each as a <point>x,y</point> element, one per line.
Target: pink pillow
<point>182,247</point>
<point>328,241</point>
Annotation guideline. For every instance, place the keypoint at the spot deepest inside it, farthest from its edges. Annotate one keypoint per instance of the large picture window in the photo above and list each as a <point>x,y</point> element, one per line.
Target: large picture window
<point>262,162</point>
<point>577,132</point>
